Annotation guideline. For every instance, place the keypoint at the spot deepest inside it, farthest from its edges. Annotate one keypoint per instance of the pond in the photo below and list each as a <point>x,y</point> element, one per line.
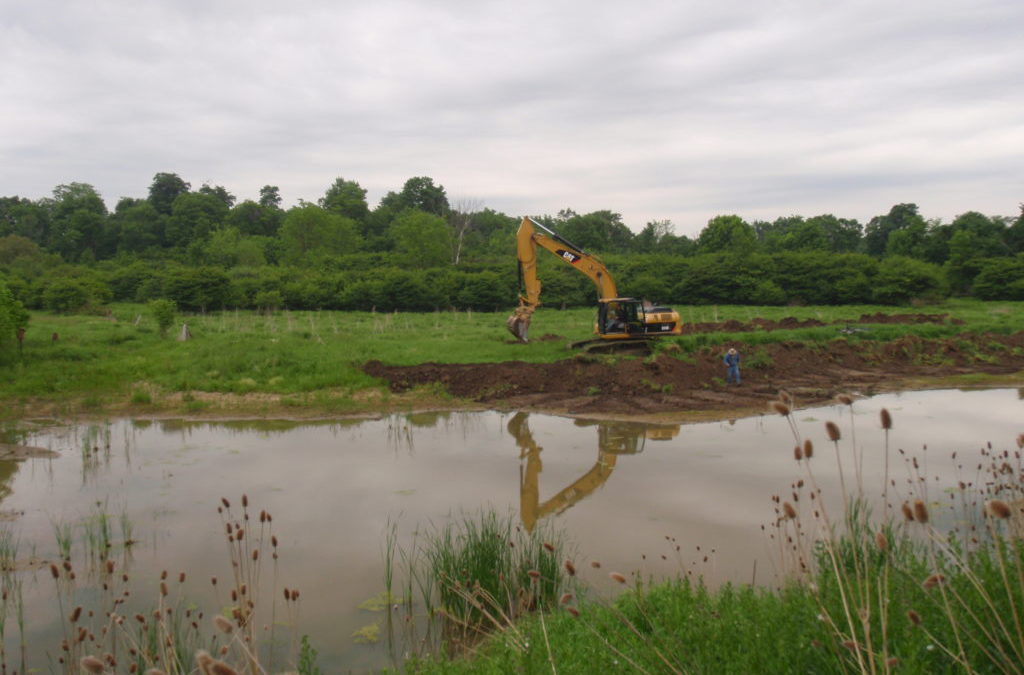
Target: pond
<point>660,499</point>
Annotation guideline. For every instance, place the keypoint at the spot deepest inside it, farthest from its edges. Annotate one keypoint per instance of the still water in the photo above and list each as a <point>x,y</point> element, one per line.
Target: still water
<point>628,494</point>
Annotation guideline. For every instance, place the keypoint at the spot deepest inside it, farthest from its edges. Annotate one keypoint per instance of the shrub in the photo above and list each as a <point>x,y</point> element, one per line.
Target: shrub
<point>65,296</point>
<point>163,312</point>
<point>1000,279</point>
<point>902,279</point>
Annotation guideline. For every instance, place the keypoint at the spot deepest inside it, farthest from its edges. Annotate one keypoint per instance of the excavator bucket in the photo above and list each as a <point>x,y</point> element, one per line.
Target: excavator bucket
<point>519,323</point>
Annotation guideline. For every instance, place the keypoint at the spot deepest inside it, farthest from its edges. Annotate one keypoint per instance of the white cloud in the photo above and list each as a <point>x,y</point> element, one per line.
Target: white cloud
<point>678,110</point>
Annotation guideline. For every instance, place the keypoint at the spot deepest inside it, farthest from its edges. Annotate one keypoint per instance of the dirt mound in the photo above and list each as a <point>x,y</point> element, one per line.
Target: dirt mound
<point>814,372</point>
<point>789,322</point>
<point>879,317</point>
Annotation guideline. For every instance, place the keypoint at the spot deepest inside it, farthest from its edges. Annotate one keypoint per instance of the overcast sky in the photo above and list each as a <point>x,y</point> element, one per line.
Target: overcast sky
<point>673,109</point>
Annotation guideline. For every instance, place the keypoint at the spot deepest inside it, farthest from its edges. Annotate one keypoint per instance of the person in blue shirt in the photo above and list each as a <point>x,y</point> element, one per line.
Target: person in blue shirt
<point>732,366</point>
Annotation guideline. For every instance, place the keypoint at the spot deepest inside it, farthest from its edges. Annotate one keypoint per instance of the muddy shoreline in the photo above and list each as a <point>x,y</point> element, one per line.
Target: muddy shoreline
<point>692,386</point>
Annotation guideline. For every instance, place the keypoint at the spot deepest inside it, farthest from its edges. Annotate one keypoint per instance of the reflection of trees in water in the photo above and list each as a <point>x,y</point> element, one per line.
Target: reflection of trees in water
<point>613,439</point>
<point>263,427</point>
<point>399,427</point>
<point>8,467</point>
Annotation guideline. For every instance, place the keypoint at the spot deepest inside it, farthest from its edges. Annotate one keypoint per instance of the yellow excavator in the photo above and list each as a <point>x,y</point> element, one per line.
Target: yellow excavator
<point>613,439</point>
<point>620,321</point>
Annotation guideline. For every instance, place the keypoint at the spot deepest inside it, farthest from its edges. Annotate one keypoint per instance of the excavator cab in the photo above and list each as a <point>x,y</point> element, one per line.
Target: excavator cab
<point>620,316</point>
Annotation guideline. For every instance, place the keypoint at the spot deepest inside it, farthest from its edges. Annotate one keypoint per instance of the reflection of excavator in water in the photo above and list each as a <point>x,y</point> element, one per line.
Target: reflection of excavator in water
<point>620,321</point>
<point>613,439</point>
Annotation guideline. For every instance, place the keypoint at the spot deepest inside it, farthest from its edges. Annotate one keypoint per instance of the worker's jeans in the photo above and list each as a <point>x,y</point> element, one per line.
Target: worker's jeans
<point>732,374</point>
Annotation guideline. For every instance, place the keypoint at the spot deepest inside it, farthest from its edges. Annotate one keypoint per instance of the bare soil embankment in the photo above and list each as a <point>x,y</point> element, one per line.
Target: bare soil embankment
<point>683,385</point>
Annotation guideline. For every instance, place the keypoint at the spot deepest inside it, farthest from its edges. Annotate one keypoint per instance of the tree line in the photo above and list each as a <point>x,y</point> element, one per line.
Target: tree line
<point>205,250</point>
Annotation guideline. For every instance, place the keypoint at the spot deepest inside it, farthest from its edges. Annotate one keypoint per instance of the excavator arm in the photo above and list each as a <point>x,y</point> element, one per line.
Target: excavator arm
<point>532,234</point>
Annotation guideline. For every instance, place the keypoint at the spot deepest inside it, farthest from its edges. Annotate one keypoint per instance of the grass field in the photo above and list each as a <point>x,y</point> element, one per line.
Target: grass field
<point>312,359</point>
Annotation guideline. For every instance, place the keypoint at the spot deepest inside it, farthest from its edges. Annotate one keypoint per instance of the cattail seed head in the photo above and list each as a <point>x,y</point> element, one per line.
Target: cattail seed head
<point>204,661</point>
<point>914,617</point>
<point>549,547</point>
<point>239,534</point>
<point>886,419</point>
<point>245,501</point>
<point>163,589</point>
<point>845,399</point>
<point>881,542</point>
<point>54,571</point>
<point>566,597</point>
<point>788,509</point>
<point>933,581</point>
<point>997,508</point>
<point>110,566</point>
<point>850,644</point>
<point>832,429</point>
<point>572,610</point>
<point>222,624</point>
<point>798,454</point>
<point>255,554</point>
<point>920,511</point>
<point>295,595</point>
<point>75,614</point>
<point>595,564</point>
<point>225,502</point>
<point>534,574</point>
<point>92,664</point>
<point>780,407</point>
<point>570,568</point>
<point>615,576</point>
<point>181,578</point>
<point>785,397</point>
<point>907,513</point>
<point>808,448</point>
<point>287,595</point>
<point>221,668</point>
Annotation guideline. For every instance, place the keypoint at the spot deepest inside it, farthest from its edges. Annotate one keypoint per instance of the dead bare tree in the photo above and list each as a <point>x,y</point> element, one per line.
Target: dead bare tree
<point>460,219</point>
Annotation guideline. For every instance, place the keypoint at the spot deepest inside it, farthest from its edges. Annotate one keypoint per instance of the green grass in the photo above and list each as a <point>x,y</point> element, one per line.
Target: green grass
<point>99,360</point>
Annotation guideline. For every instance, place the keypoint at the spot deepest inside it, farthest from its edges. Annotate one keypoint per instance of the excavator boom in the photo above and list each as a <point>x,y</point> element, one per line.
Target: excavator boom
<point>618,318</point>
<point>532,234</point>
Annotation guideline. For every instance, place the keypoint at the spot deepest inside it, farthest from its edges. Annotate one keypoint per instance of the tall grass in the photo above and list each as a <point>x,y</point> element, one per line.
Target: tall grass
<point>475,575</point>
<point>107,626</point>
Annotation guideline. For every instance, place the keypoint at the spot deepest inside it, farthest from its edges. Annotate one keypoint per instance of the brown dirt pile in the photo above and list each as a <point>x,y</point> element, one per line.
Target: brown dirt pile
<point>814,373</point>
<point>789,322</point>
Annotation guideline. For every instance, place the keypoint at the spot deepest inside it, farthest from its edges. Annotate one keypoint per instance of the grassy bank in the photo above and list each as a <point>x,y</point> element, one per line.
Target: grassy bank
<point>310,361</point>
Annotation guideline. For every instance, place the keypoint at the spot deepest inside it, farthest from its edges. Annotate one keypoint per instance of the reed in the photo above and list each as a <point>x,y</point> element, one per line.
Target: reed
<point>477,574</point>
<point>917,595</point>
